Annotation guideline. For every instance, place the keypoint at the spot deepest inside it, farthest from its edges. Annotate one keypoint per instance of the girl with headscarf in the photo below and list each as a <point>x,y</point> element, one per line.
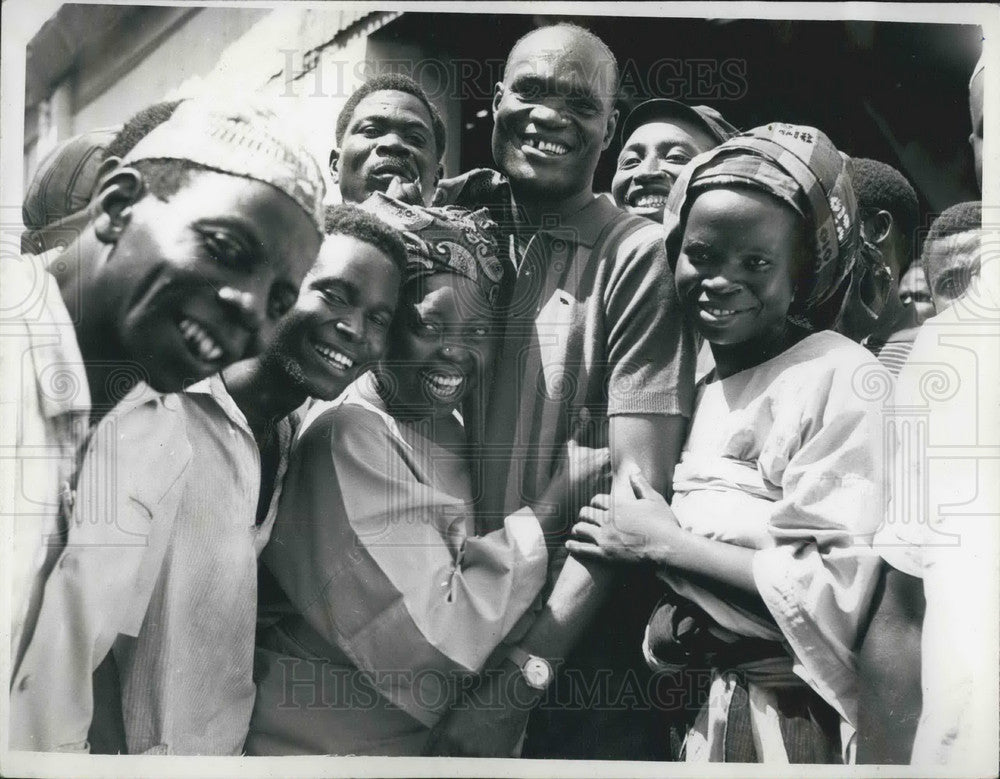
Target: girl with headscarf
<point>393,600</point>
<point>765,546</point>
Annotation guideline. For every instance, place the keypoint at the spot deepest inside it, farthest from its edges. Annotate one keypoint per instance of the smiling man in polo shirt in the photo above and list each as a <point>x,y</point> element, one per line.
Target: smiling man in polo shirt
<point>593,339</point>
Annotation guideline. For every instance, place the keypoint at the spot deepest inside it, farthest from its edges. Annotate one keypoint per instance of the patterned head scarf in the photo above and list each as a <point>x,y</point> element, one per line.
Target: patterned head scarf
<point>445,239</point>
<point>246,139</point>
<point>801,167</point>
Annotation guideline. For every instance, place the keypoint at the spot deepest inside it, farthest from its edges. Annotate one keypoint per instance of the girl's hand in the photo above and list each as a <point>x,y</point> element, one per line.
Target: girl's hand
<point>625,530</point>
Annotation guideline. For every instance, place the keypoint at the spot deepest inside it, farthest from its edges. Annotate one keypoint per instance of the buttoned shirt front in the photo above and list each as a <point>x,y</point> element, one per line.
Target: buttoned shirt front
<point>161,566</point>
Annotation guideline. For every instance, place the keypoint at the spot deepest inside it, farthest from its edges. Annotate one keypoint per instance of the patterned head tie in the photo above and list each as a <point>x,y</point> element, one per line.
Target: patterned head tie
<point>445,239</point>
<point>801,167</point>
<point>244,138</point>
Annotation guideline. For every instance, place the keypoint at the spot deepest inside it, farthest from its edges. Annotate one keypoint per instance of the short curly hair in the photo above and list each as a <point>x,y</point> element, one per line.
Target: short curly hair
<point>139,126</point>
<point>392,82</point>
<point>881,187</point>
<point>165,178</point>
<point>959,218</point>
<point>350,220</point>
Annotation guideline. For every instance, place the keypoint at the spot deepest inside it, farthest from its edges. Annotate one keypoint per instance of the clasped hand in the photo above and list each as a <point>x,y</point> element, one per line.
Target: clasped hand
<point>625,528</point>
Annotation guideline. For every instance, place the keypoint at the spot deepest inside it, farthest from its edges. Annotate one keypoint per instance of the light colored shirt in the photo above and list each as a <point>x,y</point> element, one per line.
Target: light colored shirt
<point>944,522</point>
<point>785,458</point>
<point>160,566</point>
<point>44,416</point>
<point>375,548</point>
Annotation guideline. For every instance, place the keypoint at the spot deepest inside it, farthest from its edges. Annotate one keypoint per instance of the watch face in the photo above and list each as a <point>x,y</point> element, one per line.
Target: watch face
<point>537,673</point>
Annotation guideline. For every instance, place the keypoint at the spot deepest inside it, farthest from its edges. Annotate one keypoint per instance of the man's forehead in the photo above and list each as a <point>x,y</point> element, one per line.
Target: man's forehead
<point>391,102</point>
<point>669,130</point>
<point>561,56</point>
<point>947,251</point>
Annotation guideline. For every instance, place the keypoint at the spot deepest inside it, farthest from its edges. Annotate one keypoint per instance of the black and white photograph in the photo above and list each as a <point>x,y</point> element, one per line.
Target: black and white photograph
<point>499,389</point>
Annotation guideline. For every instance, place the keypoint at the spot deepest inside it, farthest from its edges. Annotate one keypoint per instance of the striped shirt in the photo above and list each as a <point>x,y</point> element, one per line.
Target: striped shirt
<point>893,353</point>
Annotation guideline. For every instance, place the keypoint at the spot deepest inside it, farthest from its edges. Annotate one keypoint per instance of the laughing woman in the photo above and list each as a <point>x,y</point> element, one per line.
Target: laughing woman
<point>394,600</point>
<point>765,547</point>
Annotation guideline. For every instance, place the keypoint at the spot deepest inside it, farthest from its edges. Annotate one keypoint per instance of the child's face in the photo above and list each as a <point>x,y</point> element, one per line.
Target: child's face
<point>197,282</point>
<point>441,345</point>
<point>650,162</point>
<point>738,257</point>
<point>340,323</point>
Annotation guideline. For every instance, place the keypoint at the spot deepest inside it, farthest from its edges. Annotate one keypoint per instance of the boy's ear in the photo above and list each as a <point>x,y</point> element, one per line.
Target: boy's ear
<point>334,159</point>
<point>882,225</point>
<point>116,194</point>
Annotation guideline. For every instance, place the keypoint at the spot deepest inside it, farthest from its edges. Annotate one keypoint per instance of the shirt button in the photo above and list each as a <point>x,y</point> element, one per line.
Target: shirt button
<point>23,684</point>
<point>171,402</point>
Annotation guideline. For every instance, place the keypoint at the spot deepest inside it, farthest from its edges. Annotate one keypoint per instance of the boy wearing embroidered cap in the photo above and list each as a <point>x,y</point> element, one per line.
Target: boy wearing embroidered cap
<point>186,682</point>
<point>659,138</point>
<point>200,240</point>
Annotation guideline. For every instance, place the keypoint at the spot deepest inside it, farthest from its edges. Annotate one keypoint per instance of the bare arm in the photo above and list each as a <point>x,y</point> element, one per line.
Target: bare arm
<point>889,666</point>
<point>652,443</point>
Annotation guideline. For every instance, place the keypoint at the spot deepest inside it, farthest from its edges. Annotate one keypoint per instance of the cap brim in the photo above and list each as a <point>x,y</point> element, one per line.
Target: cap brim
<point>664,108</point>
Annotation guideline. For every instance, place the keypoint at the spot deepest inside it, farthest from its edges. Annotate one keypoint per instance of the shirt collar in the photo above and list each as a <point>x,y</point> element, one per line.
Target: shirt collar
<point>583,227</point>
<point>215,387</point>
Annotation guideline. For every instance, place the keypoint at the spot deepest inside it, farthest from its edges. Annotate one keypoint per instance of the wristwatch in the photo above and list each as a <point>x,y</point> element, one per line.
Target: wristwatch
<point>537,671</point>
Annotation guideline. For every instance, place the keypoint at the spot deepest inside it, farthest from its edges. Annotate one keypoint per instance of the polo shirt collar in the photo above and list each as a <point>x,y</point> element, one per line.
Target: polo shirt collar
<point>583,227</point>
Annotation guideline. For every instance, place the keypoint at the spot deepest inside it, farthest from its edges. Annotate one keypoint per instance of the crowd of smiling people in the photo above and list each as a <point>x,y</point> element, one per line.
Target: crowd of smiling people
<point>489,465</point>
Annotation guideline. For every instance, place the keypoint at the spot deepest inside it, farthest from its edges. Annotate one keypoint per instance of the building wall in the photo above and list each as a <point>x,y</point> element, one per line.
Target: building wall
<point>187,54</point>
<point>310,60</point>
